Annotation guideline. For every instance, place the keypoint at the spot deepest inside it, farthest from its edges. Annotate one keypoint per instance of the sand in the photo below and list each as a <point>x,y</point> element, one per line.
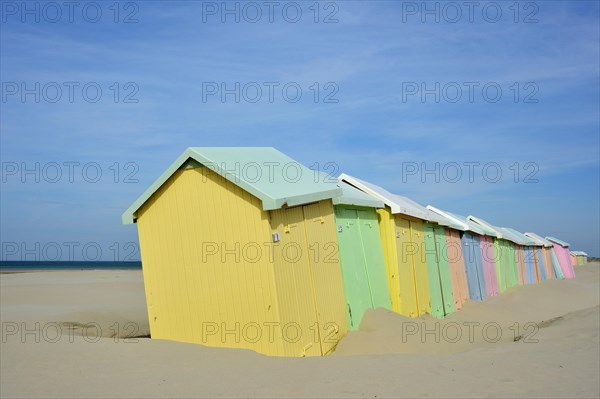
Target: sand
<point>556,355</point>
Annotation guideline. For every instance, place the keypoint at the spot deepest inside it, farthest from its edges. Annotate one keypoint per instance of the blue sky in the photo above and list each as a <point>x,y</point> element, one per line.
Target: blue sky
<point>368,61</point>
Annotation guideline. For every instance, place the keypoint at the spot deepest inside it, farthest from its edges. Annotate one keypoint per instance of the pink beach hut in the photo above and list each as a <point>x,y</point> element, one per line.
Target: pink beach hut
<point>489,264</point>
<point>561,249</point>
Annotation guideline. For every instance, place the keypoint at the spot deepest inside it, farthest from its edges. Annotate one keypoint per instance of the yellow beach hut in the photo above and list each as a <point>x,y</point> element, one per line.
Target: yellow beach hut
<point>581,258</point>
<point>239,250</point>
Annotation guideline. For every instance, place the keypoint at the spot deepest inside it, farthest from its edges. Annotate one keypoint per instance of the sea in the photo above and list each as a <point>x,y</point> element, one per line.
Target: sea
<point>21,266</point>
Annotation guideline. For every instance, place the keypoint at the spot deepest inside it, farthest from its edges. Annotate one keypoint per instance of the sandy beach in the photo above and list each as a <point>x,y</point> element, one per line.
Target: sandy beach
<point>64,335</point>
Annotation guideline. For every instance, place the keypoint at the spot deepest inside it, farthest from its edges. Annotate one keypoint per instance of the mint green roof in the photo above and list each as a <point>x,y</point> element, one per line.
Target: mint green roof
<point>264,172</point>
<point>559,242</point>
<point>353,196</point>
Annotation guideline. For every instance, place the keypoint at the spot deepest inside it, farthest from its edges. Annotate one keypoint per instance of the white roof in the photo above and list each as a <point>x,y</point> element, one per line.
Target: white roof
<point>502,232</point>
<point>463,226</point>
<point>508,235</point>
<point>488,226</point>
<point>539,239</point>
<point>397,203</point>
<point>559,242</point>
<point>353,196</point>
<point>526,240</point>
<point>470,225</point>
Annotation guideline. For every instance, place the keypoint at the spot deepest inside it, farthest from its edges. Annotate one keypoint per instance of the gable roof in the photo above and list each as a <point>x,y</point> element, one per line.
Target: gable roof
<point>539,239</point>
<point>559,242</point>
<point>526,240</point>
<point>353,196</point>
<point>264,172</point>
<point>460,225</point>
<point>487,226</point>
<point>467,224</point>
<point>510,236</point>
<point>503,232</point>
<point>397,203</point>
<point>580,253</point>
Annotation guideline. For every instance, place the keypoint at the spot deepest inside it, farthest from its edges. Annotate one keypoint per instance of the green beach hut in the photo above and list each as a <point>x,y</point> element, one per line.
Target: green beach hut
<point>414,244</point>
<point>361,253</point>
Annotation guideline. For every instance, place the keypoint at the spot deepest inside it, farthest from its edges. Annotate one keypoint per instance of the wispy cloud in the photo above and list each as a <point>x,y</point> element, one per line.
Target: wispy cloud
<point>370,132</point>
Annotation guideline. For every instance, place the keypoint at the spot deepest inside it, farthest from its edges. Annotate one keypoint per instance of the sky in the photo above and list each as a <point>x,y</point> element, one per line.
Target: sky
<point>488,109</point>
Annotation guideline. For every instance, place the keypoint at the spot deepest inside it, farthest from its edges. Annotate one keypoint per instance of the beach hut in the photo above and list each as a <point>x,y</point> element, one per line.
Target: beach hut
<point>458,272</point>
<point>558,268</point>
<point>471,246</point>
<point>489,265</point>
<point>438,271</point>
<point>472,253</point>
<point>413,241</point>
<point>361,253</point>
<point>549,256</point>
<point>514,256</point>
<point>456,260</point>
<point>573,257</point>
<point>561,249</point>
<point>402,240</point>
<point>505,254</point>
<point>534,270</point>
<point>523,254</point>
<point>228,238</point>
<point>544,255</point>
<point>582,258</point>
